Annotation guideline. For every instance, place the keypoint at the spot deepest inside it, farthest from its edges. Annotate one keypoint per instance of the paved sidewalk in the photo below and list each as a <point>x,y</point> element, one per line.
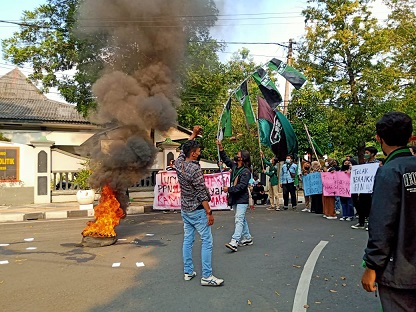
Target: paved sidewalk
<point>55,211</point>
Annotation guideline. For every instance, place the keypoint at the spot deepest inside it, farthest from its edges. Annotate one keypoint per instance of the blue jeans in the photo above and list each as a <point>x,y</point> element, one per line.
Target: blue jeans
<point>196,220</point>
<point>347,207</point>
<point>241,227</point>
<point>338,205</point>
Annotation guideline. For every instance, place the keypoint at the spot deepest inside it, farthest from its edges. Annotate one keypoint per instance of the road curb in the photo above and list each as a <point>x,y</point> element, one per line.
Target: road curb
<point>63,214</point>
<point>12,217</point>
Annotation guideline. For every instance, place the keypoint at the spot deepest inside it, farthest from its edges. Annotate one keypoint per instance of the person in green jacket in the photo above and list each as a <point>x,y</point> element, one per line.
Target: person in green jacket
<point>274,183</point>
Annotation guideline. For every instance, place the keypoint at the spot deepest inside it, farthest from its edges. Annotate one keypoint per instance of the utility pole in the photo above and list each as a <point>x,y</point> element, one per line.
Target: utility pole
<point>287,86</point>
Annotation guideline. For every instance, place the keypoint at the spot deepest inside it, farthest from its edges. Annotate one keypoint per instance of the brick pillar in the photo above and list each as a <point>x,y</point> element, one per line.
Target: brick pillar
<point>43,168</point>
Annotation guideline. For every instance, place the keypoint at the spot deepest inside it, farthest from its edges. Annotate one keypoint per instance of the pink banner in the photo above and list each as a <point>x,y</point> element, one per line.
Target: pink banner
<point>336,183</point>
<point>167,192</point>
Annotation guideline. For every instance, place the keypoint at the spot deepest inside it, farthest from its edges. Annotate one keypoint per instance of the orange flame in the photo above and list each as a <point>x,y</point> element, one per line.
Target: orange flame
<point>107,216</point>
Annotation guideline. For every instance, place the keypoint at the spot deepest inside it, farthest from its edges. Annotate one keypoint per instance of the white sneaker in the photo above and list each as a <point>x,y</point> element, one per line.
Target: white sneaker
<point>306,210</point>
<point>245,242</point>
<point>188,277</point>
<point>232,245</point>
<point>331,218</point>
<point>211,281</point>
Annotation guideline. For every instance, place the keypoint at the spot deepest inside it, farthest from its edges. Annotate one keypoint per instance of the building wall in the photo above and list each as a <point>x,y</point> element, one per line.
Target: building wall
<point>63,161</point>
<point>64,138</point>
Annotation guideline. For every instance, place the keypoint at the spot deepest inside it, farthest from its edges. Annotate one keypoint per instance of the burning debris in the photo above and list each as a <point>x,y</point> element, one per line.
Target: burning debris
<point>107,213</point>
<point>107,216</point>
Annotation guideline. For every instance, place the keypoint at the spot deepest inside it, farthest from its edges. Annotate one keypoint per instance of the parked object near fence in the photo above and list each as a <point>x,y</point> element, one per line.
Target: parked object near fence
<point>168,193</point>
<point>362,178</point>
<point>312,184</point>
<point>85,197</point>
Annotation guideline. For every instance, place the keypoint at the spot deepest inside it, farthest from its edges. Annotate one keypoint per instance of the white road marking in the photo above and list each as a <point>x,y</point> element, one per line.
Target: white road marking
<point>301,296</point>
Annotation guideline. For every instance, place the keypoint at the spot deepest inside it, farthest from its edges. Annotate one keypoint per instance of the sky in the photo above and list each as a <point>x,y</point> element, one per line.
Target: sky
<point>260,24</point>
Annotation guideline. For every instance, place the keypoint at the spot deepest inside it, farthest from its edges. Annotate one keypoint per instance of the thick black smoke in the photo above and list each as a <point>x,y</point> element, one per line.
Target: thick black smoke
<point>142,43</point>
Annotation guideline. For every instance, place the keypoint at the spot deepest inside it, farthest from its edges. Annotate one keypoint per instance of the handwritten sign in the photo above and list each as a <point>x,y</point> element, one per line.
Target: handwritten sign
<point>168,192</point>
<point>336,183</point>
<point>362,178</point>
<point>312,184</point>
<point>343,185</point>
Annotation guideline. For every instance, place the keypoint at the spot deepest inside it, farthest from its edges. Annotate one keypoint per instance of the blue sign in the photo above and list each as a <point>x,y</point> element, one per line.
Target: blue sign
<point>312,184</point>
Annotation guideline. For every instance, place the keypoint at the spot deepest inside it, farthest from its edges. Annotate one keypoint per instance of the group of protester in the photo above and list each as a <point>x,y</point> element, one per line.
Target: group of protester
<point>390,256</point>
<point>347,207</point>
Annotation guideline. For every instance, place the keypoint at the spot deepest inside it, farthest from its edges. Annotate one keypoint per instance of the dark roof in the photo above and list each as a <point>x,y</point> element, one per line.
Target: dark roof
<point>21,101</point>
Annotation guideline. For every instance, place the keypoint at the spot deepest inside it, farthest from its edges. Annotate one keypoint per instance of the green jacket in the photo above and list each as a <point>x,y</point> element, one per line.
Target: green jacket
<point>272,173</point>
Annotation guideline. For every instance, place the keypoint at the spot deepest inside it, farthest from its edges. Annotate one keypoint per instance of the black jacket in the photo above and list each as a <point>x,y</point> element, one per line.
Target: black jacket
<point>391,248</point>
<point>238,193</point>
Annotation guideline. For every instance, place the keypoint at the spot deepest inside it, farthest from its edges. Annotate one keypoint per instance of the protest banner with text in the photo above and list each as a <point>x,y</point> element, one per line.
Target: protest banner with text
<point>312,184</point>
<point>336,183</point>
<point>362,178</point>
<point>167,192</point>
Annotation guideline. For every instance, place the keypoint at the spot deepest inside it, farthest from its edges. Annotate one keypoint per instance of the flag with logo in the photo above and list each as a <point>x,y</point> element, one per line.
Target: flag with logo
<point>296,78</point>
<point>276,131</point>
<point>267,88</point>
<point>225,121</point>
<point>242,96</point>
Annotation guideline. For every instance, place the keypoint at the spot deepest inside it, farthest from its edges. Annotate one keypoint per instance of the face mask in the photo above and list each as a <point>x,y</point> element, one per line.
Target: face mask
<point>326,164</point>
<point>199,157</point>
<point>236,158</point>
<point>366,156</point>
<point>287,161</point>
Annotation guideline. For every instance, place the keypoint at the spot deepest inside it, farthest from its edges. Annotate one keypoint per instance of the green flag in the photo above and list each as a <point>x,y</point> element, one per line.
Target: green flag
<point>267,88</point>
<point>242,96</point>
<point>276,131</point>
<point>296,78</point>
<point>226,120</point>
<point>298,173</point>
<point>317,149</point>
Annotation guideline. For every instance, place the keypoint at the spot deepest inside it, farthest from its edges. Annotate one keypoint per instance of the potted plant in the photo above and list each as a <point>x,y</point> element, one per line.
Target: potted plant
<point>85,194</point>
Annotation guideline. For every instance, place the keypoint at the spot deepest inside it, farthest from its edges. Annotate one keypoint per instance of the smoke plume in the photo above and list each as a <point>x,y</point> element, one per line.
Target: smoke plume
<point>142,43</point>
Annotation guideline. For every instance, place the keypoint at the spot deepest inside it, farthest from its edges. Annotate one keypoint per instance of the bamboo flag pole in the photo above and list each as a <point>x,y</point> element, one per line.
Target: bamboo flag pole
<point>218,148</point>
<point>310,142</point>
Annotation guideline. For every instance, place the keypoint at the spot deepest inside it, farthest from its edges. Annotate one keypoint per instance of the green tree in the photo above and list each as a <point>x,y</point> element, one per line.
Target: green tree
<point>306,109</point>
<point>401,30</point>
<point>342,55</point>
<point>46,42</point>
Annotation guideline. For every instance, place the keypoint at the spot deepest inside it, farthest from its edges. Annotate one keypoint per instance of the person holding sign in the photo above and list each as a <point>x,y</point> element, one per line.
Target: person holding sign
<point>238,195</point>
<point>316,199</point>
<point>390,256</point>
<point>195,210</point>
<point>287,182</point>
<point>346,202</point>
<point>364,200</point>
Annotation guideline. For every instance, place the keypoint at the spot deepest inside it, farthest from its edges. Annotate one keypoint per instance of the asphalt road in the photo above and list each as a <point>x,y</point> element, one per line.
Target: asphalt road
<point>61,276</point>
